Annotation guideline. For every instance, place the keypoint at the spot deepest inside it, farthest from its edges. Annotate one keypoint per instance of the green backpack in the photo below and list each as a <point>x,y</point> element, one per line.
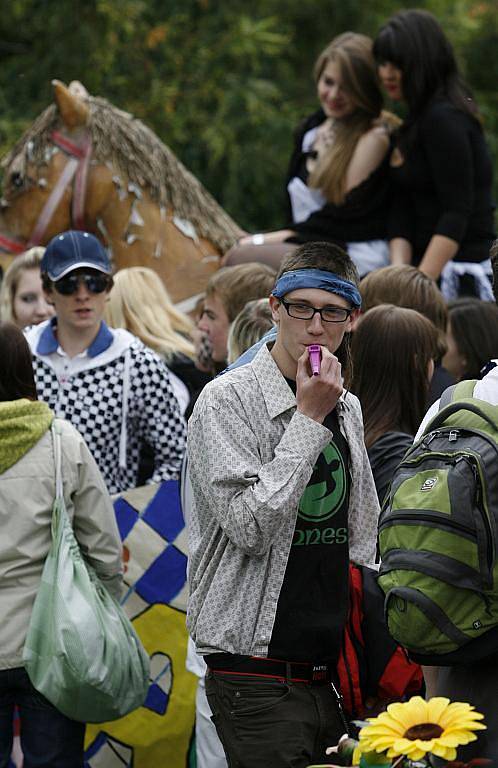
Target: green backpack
<point>438,536</point>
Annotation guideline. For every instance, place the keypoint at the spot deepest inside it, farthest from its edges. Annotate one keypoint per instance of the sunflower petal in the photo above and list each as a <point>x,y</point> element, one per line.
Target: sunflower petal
<point>409,713</point>
<point>448,753</point>
<point>435,708</point>
<point>465,725</point>
<point>458,711</point>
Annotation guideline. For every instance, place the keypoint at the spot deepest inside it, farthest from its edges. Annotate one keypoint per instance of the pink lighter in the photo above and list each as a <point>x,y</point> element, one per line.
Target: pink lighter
<point>315,356</point>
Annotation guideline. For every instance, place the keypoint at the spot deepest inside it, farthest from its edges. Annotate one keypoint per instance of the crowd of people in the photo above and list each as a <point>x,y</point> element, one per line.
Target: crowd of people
<point>385,265</point>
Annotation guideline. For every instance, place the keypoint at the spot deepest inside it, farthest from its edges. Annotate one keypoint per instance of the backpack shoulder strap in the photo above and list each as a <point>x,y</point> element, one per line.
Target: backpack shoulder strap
<point>457,392</point>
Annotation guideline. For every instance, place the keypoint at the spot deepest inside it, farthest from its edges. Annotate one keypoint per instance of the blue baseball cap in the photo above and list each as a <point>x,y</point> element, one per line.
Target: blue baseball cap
<point>72,250</point>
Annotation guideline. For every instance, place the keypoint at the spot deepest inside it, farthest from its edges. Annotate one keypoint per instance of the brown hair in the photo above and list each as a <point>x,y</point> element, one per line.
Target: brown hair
<point>474,326</point>
<point>392,348</point>
<point>330,258</point>
<point>406,286</point>
<point>235,286</point>
<point>17,379</point>
<point>352,53</point>
<point>321,255</point>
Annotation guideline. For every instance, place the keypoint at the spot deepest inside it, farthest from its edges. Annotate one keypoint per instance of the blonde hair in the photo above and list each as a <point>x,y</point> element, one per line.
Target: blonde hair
<point>140,303</point>
<point>249,326</point>
<point>28,260</point>
<point>352,53</point>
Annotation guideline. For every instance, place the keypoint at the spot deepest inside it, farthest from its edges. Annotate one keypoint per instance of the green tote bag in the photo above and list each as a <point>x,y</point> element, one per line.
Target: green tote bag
<point>81,651</point>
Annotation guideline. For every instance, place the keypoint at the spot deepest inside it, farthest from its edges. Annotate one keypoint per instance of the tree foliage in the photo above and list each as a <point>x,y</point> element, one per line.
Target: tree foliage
<point>223,84</point>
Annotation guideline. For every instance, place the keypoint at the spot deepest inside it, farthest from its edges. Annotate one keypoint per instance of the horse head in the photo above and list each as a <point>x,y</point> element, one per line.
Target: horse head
<point>84,164</point>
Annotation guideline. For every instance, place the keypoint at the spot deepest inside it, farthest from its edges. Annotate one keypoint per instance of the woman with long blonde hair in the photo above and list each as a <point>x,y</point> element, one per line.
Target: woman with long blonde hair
<point>22,300</point>
<point>140,304</point>
<point>338,176</point>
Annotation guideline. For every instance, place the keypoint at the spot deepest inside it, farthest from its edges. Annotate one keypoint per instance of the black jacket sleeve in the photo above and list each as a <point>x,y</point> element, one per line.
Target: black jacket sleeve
<point>445,133</point>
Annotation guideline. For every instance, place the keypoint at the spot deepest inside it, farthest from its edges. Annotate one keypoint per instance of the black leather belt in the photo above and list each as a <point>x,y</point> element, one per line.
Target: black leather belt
<point>295,671</point>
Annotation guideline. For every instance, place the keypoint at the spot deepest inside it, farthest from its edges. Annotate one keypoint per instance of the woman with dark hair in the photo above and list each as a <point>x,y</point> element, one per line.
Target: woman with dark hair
<point>337,182</point>
<point>27,493</point>
<point>393,352</point>
<point>441,219</point>
<point>471,336</point>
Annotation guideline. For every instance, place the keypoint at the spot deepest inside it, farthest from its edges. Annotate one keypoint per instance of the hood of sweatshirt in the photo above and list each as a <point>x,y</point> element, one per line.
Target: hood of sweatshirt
<point>22,423</point>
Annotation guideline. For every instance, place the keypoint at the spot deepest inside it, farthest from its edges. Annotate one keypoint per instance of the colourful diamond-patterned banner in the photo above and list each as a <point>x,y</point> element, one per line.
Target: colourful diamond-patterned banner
<point>154,539</point>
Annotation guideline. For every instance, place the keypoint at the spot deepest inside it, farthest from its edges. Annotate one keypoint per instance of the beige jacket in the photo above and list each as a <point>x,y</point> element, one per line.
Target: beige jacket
<point>27,491</point>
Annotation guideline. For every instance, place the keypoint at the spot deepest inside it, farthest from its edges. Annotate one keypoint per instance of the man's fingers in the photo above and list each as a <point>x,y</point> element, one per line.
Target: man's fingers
<point>302,366</point>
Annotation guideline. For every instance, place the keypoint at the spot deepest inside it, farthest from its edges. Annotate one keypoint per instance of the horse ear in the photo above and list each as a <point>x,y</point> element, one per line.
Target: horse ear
<point>78,89</point>
<point>73,110</point>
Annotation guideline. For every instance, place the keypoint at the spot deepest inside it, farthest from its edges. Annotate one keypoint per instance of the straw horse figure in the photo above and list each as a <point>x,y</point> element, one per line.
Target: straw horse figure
<point>84,164</point>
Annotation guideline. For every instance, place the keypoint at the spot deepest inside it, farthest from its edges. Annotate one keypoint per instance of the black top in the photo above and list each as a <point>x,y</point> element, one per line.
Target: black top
<point>194,379</point>
<point>362,216</point>
<point>313,602</point>
<point>440,381</point>
<point>385,455</point>
<point>444,185</point>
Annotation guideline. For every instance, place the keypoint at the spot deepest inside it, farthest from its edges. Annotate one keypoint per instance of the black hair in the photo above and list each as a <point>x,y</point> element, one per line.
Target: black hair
<point>493,255</point>
<point>414,41</point>
<point>17,379</point>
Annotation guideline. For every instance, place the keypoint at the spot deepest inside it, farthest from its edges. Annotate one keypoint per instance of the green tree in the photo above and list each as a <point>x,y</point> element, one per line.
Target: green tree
<point>223,84</point>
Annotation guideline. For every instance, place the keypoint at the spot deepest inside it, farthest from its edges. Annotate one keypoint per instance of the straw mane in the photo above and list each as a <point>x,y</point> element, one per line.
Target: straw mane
<point>134,150</point>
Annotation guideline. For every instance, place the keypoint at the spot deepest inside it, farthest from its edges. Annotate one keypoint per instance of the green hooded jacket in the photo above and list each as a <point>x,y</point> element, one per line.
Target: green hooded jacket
<point>22,424</point>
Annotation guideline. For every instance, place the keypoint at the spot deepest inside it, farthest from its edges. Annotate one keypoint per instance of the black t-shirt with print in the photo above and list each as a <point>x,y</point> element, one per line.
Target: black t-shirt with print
<point>313,602</point>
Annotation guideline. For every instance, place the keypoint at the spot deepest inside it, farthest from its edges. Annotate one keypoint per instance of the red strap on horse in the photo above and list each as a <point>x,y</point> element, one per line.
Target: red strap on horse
<point>11,246</point>
<point>68,146</point>
<point>52,202</point>
<point>79,188</point>
<point>77,166</point>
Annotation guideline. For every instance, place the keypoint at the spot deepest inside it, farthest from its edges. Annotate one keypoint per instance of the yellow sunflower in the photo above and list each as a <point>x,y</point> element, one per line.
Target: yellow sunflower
<point>418,727</point>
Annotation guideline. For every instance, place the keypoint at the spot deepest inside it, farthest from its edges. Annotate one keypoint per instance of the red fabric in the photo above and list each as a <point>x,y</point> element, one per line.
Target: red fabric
<point>348,668</point>
<point>400,676</point>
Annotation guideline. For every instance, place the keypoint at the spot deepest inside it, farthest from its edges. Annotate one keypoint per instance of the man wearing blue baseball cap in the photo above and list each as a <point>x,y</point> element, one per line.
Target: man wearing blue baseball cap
<point>282,497</point>
<point>111,387</point>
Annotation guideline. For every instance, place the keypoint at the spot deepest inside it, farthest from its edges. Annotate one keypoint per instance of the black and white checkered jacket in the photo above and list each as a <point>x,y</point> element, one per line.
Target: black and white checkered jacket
<point>118,397</point>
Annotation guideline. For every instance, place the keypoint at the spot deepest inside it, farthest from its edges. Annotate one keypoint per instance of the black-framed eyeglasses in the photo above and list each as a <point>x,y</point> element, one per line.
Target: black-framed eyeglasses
<point>306,312</point>
<point>69,284</point>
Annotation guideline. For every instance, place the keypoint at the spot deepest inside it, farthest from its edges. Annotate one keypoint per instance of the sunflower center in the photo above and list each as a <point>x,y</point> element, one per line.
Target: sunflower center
<point>423,731</point>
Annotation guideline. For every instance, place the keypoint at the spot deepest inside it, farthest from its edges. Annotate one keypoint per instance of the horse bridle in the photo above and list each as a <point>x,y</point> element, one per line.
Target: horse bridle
<point>76,168</point>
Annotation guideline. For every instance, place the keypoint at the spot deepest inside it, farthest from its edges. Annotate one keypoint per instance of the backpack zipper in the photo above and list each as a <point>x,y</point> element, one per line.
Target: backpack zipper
<point>430,518</point>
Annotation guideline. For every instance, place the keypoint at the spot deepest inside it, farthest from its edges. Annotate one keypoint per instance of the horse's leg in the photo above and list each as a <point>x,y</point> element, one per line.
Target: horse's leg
<point>271,254</point>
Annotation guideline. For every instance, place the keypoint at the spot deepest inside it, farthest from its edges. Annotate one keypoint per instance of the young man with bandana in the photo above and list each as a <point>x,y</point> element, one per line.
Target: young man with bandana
<point>282,499</point>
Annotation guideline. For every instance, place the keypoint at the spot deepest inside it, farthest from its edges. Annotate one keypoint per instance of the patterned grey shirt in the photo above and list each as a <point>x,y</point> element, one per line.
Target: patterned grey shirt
<point>251,455</point>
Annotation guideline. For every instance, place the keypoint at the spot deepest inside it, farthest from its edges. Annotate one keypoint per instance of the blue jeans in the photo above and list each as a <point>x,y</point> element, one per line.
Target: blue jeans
<point>48,738</point>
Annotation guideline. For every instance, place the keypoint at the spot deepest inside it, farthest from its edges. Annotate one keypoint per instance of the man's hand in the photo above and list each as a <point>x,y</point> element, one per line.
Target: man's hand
<point>316,396</point>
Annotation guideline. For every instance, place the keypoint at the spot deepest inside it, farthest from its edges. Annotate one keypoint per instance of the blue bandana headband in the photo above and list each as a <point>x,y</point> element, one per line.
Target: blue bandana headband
<point>317,278</point>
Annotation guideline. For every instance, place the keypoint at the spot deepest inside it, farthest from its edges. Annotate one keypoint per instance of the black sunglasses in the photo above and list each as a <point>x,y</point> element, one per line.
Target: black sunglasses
<point>93,283</point>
